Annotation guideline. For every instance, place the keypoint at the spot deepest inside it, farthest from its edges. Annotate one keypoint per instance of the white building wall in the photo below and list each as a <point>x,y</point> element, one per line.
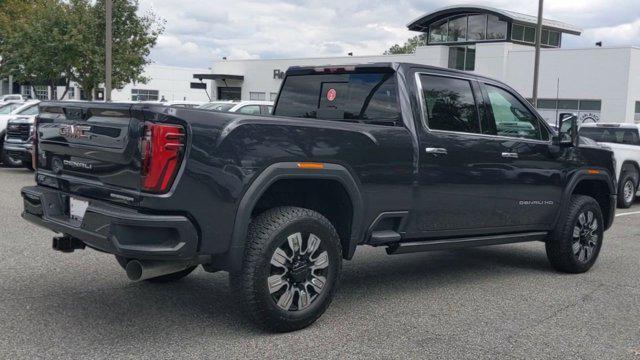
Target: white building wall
<point>597,74</point>
<point>634,85</point>
<point>174,83</point>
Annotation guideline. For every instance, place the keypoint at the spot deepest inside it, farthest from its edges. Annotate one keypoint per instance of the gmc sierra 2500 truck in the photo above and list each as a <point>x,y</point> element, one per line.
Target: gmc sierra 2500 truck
<point>408,157</point>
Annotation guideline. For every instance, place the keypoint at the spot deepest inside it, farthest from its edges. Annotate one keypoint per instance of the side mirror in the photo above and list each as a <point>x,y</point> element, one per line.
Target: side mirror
<point>567,130</point>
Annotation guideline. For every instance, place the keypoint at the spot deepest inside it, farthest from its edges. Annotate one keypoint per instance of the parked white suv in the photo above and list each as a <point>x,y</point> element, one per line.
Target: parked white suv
<point>9,111</point>
<point>251,107</point>
<point>624,141</point>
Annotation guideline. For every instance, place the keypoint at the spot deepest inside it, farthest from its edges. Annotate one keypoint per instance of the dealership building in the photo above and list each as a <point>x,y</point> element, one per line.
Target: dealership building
<point>170,83</point>
<point>599,83</point>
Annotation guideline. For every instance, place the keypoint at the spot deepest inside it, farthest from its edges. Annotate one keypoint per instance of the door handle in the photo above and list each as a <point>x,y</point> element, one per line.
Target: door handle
<point>441,151</point>
<point>509,155</point>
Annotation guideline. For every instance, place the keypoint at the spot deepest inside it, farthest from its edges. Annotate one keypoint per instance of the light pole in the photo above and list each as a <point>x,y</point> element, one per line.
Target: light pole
<point>536,67</point>
<point>107,49</point>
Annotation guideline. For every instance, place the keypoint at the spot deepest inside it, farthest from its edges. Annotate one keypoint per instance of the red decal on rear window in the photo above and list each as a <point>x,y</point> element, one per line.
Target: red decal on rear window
<point>331,94</point>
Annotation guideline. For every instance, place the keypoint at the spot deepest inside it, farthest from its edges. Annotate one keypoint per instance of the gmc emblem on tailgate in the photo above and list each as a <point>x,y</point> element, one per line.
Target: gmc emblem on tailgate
<point>74,131</point>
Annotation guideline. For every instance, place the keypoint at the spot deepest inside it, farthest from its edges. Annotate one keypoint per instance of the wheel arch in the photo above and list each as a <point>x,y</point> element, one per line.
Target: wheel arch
<point>631,164</point>
<point>596,184</point>
<point>232,260</point>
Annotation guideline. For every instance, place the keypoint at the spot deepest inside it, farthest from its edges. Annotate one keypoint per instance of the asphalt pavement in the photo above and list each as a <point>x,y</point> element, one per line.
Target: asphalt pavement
<point>483,303</point>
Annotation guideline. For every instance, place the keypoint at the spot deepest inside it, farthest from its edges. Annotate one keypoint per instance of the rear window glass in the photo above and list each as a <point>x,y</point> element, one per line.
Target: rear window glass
<point>363,97</point>
<point>611,135</point>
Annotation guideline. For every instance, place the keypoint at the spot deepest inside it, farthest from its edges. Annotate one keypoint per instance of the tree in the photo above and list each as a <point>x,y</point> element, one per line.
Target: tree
<point>34,45</point>
<point>133,38</point>
<point>409,47</point>
<point>54,42</point>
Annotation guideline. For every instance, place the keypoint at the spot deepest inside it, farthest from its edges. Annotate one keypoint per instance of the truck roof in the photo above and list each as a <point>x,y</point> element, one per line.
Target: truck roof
<point>389,66</point>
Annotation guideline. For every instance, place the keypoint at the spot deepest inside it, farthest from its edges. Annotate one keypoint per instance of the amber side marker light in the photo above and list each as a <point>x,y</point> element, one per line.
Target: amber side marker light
<point>306,165</point>
<point>593,172</point>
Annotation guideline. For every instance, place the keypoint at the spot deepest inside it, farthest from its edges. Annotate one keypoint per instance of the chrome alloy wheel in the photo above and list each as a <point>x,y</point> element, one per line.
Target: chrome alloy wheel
<point>298,272</point>
<point>628,191</point>
<point>585,236</point>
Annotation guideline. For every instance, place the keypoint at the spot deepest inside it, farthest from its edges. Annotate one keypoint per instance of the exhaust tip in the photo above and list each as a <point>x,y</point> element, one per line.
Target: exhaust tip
<point>134,270</point>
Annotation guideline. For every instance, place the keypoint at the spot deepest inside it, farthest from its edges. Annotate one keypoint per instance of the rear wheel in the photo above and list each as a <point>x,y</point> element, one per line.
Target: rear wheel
<point>576,242</point>
<point>627,191</point>
<point>160,279</point>
<point>290,269</point>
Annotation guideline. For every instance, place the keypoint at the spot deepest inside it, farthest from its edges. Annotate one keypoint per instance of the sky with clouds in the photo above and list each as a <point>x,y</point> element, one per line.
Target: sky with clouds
<point>199,31</point>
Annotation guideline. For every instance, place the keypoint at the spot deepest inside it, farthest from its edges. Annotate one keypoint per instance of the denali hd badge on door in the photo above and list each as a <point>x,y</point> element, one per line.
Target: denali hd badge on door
<point>74,131</point>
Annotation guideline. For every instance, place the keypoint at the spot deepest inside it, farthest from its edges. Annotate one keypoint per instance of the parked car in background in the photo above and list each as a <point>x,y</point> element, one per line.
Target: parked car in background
<point>8,111</point>
<point>12,97</point>
<point>18,142</point>
<point>250,107</point>
<point>624,141</point>
<point>176,104</point>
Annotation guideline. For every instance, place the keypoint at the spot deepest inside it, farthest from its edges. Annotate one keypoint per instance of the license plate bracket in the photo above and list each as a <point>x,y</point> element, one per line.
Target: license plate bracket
<point>77,209</point>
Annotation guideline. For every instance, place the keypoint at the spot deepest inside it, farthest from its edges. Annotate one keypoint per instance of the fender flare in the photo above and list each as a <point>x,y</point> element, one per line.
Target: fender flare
<point>584,174</point>
<point>290,170</point>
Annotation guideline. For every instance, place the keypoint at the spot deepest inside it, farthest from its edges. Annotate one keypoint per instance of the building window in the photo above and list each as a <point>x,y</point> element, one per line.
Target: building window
<point>473,27</point>
<point>71,93</point>
<point>462,57</point>
<point>258,96</point>
<point>229,93</point>
<point>42,92</point>
<point>569,104</point>
<point>527,34</point>
<point>25,90</point>
<point>273,96</point>
<point>637,114</point>
<point>144,95</point>
<point>496,28</point>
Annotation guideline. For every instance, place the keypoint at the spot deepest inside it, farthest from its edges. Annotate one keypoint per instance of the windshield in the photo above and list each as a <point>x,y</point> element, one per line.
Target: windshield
<point>31,110</point>
<point>217,107</point>
<point>8,108</point>
<point>368,97</point>
<point>611,135</point>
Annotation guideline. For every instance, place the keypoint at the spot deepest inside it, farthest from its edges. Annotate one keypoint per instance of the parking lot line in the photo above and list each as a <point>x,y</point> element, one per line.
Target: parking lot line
<point>628,213</point>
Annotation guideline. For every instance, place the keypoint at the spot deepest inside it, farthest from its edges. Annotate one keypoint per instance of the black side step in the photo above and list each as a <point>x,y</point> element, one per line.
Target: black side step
<point>448,244</point>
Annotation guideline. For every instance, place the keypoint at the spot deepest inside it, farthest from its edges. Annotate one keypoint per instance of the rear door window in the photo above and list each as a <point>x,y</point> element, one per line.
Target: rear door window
<point>361,97</point>
<point>449,104</point>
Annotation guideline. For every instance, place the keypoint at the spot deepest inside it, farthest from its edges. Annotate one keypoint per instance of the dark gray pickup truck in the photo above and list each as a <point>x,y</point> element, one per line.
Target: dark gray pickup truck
<point>408,157</point>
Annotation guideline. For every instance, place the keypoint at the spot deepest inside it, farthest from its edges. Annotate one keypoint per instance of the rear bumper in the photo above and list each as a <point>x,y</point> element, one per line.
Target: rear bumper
<point>113,229</point>
<point>18,150</point>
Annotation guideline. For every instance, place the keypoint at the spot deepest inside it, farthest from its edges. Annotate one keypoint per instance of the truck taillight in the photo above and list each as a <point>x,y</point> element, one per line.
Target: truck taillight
<point>161,148</point>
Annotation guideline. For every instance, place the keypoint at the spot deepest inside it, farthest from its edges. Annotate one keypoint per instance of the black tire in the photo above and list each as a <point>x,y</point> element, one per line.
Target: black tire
<point>7,161</point>
<point>160,279</point>
<point>564,251</point>
<point>28,165</point>
<point>273,231</point>
<point>627,180</point>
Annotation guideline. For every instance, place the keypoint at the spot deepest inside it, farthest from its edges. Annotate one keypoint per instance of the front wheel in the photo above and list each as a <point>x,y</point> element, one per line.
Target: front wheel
<point>627,191</point>
<point>577,239</point>
<point>290,269</point>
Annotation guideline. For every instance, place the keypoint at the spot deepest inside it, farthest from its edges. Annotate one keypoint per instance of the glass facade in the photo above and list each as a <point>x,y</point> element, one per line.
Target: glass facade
<point>527,34</point>
<point>260,96</point>
<point>462,57</point>
<point>472,27</point>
